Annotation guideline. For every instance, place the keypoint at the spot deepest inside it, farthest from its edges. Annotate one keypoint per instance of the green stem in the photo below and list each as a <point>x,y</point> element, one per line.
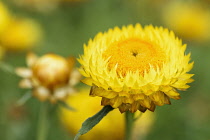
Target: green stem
<point>129,120</point>
<point>42,122</point>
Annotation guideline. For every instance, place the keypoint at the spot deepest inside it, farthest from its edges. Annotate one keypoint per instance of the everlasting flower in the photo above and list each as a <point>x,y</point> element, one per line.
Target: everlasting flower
<point>110,128</point>
<point>4,17</point>
<point>189,20</point>
<point>21,34</point>
<point>51,77</point>
<point>136,68</point>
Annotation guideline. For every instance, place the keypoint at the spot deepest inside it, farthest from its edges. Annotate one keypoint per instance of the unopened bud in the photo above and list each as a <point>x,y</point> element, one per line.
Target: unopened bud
<point>51,70</point>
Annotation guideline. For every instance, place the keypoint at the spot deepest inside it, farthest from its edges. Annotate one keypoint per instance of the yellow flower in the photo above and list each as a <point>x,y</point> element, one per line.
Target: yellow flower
<point>4,17</point>
<point>110,128</point>
<point>189,20</point>
<point>136,68</point>
<point>51,77</point>
<point>21,34</point>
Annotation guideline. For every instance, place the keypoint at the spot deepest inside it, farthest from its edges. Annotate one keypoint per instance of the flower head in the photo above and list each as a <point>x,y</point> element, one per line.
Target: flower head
<point>4,18</point>
<point>111,125</point>
<point>188,20</point>
<point>51,77</point>
<point>136,68</point>
<point>21,34</point>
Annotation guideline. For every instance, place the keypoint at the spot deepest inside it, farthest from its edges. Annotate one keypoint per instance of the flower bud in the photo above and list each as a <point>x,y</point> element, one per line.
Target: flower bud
<point>50,77</point>
<point>51,70</point>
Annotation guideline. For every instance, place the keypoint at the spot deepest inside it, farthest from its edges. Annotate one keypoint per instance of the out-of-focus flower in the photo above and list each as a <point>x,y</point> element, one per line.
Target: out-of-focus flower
<point>38,5</point>
<point>136,68</point>
<point>4,17</point>
<point>51,77</point>
<point>189,20</point>
<point>112,127</point>
<point>21,34</point>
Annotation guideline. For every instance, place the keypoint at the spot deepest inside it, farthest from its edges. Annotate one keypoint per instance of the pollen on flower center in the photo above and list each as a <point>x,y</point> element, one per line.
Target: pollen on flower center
<point>133,55</point>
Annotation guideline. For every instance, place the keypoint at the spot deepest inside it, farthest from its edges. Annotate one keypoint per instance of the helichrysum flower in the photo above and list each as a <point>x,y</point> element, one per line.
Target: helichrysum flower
<point>110,128</point>
<point>4,17</point>
<point>136,68</point>
<point>21,34</point>
<point>188,20</point>
<point>51,77</point>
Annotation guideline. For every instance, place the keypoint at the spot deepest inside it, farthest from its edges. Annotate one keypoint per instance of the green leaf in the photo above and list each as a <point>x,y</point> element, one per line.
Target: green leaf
<point>88,124</point>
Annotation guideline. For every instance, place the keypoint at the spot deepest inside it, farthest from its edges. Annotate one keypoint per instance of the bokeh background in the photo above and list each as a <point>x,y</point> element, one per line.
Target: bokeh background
<point>63,26</point>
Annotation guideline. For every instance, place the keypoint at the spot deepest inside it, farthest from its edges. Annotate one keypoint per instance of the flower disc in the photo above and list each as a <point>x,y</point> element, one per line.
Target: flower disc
<point>133,55</point>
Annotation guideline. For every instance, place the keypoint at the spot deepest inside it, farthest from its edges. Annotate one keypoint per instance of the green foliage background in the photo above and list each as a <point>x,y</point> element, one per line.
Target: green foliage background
<point>66,29</point>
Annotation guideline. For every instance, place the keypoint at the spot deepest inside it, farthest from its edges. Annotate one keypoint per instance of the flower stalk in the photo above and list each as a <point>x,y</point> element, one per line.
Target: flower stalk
<point>129,122</point>
<point>42,128</point>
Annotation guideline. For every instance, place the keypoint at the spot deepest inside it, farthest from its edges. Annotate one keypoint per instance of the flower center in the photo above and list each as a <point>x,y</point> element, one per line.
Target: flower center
<point>134,55</point>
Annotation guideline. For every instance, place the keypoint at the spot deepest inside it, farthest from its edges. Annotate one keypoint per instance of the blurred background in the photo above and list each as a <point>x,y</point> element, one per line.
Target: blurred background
<point>63,26</point>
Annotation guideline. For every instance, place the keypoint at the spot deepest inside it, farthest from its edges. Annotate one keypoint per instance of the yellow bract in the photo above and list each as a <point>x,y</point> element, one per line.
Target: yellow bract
<point>127,81</point>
